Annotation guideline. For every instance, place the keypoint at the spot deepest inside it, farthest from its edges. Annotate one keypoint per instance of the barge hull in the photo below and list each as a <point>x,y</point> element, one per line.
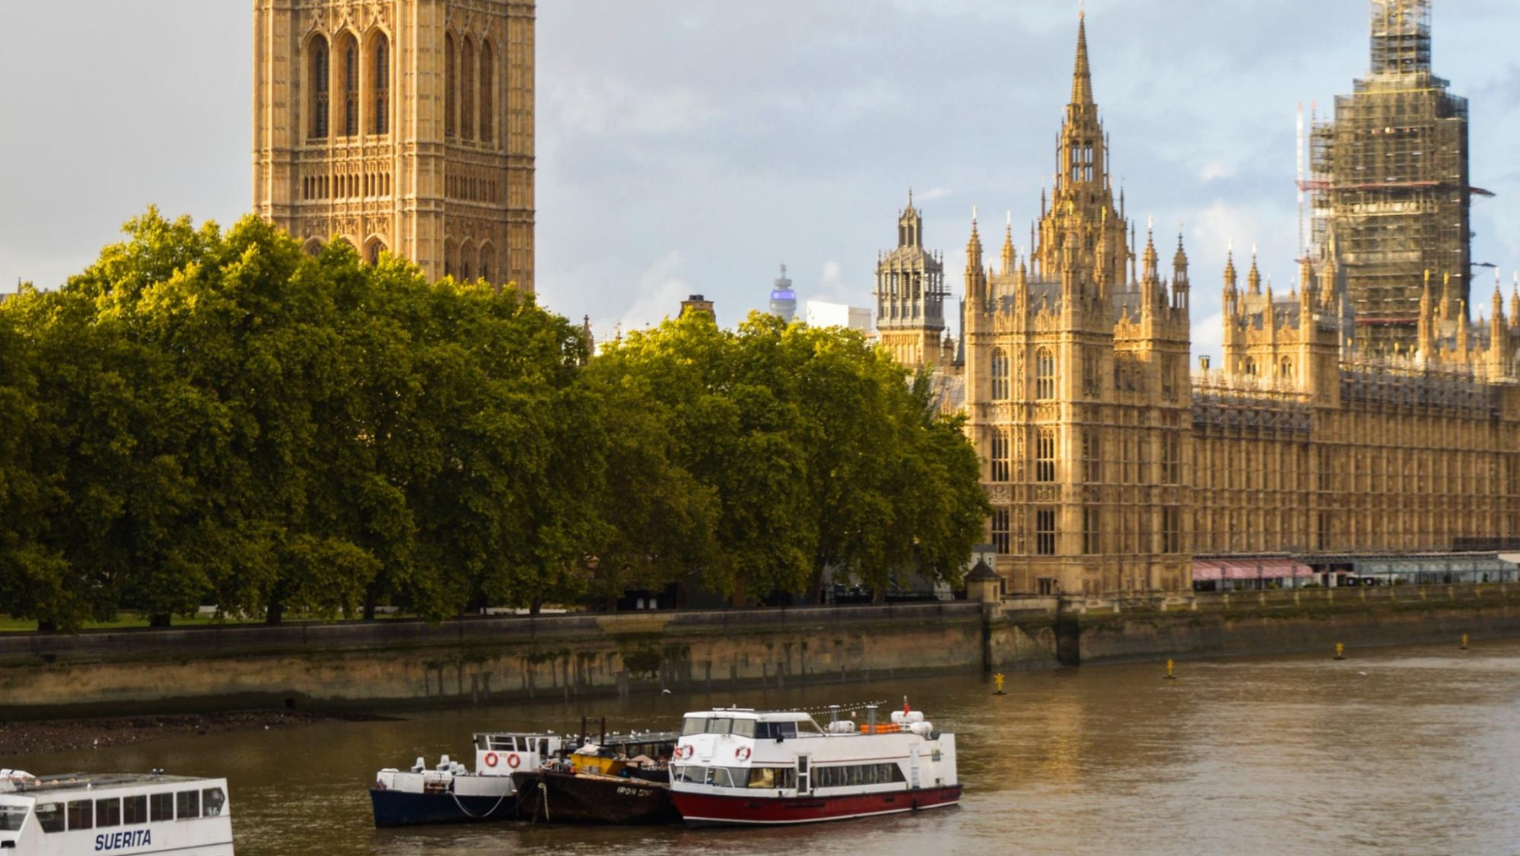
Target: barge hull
<point>399,808</point>
<point>569,798</point>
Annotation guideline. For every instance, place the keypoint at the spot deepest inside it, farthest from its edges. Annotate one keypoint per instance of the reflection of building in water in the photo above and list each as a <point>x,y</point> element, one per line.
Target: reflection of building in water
<point>1111,467</point>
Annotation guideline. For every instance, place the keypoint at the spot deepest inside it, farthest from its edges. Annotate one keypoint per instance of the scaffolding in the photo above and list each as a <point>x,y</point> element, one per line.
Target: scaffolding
<point>1389,187</point>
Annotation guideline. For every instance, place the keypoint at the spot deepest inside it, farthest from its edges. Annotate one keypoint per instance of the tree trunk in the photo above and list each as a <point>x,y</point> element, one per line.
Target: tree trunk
<point>47,627</point>
<point>371,599</point>
<point>159,620</point>
<point>275,614</point>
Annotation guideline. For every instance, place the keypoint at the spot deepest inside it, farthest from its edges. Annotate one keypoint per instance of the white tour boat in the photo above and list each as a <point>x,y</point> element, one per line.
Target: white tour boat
<point>450,793</point>
<point>738,767</point>
<point>132,814</point>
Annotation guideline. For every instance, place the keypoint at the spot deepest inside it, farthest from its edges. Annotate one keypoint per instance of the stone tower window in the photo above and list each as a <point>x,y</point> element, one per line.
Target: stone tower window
<point>1045,374</point>
<point>1002,531</point>
<point>380,100</point>
<point>1250,367</point>
<point>487,91</point>
<point>1045,531</point>
<point>1045,456</point>
<point>1285,370</point>
<point>348,51</point>
<point>319,73</point>
<point>1001,456</point>
<point>999,375</point>
<point>467,90</point>
<point>450,86</point>
<point>486,253</point>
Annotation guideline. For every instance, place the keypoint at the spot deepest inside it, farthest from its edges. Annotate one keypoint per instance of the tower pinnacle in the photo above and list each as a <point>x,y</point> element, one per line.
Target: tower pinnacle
<point>1081,84</point>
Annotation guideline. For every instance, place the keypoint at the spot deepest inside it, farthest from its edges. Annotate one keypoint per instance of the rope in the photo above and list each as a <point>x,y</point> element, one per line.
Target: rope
<point>489,812</point>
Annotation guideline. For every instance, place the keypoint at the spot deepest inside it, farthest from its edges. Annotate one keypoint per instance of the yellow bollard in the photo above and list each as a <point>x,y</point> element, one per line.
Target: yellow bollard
<point>998,679</point>
<point>1171,668</point>
<point>1340,651</point>
<point>1464,641</point>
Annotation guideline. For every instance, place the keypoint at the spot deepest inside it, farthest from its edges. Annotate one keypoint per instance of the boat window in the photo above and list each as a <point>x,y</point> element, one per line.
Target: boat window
<point>543,747</point>
<point>107,813</point>
<point>693,725</point>
<point>162,806</point>
<point>134,810</point>
<point>50,817</point>
<point>212,800</point>
<point>808,726</point>
<point>730,777</point>
<point>82,814</point>
<point>768,778</point>
<point>187,805</point>
<point>773,730</point>
<point>718,725</point>
<point>857,775</point>
<point>11,818</point>
<point>689,773</point>
<point>744,727</point>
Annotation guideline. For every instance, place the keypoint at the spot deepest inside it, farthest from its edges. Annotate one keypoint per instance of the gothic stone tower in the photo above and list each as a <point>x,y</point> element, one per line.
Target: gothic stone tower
<point>1077,387</point>
<point>400,125</point>
<point>1391,180</point>
<point>910,296</point>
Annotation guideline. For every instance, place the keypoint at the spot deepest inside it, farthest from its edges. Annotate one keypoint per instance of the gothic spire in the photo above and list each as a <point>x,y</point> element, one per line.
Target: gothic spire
<point>1081,84</point>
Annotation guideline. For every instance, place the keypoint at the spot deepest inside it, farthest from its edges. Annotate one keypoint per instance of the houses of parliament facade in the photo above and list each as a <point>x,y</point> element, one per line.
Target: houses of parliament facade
<point>400,125</point>
<point>1337,425</point>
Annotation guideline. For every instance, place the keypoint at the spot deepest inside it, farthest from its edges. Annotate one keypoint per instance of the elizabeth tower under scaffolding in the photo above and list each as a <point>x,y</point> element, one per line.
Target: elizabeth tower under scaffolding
<point>1390,182</point>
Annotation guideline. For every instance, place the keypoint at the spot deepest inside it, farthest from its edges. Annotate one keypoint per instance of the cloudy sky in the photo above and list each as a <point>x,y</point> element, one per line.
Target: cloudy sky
<point>693,146</point>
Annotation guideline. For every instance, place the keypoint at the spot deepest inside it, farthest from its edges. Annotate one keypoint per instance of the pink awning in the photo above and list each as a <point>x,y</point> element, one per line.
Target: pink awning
<point>1249,569</point>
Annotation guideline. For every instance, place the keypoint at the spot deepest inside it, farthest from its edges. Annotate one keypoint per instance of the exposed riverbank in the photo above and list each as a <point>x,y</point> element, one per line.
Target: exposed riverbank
<point>43,737</point>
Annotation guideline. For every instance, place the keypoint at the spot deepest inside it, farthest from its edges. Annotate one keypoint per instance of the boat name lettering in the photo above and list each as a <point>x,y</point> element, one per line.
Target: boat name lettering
<point>633,792</point>
<point>124,840</point>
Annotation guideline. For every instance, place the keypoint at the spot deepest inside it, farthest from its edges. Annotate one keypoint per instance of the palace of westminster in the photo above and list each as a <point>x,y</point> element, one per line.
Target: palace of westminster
<point>1363,413</point>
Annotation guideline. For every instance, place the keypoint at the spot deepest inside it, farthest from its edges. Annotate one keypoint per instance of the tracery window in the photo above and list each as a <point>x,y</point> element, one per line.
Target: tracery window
<point>1092,456</point>
<point>1045,374</point>
<point>1045,531</point>
<point>450,86</point>
<point>351,66</point>
<point>487,91</point>
<point>1001,455</point>
<point>999,375</point>
<point>467,90</point>
<point>1045,456</point>
<point>1002,534</point>
<point>1092,528</point>
<point>381,101</point>
<point>319,71</point>
<point>1285,370</point>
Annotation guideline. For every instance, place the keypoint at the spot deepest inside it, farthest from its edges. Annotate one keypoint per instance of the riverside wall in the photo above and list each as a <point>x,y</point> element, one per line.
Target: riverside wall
<point>395,664</point>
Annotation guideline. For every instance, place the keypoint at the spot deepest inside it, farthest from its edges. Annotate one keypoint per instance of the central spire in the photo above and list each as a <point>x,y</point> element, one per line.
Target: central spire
<point>1081,83</point>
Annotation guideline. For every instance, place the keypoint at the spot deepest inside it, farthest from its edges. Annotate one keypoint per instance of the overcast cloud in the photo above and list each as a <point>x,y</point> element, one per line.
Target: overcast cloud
<point>694,145</point>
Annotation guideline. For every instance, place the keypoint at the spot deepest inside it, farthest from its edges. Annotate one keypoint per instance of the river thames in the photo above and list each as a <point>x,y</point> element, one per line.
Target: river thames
<point>1412,750</point>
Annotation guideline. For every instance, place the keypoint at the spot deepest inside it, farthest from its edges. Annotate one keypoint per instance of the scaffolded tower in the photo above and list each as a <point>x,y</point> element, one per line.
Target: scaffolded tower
<point>1390,181</point>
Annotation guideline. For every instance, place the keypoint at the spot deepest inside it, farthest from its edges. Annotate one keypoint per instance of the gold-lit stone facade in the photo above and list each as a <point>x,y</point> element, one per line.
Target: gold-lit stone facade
<point>1111,465</point>
<point>910,297</point>
<point>400,125</point>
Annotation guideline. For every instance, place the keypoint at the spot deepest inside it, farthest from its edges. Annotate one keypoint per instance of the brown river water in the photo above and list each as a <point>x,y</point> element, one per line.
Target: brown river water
<point>1412,750</point>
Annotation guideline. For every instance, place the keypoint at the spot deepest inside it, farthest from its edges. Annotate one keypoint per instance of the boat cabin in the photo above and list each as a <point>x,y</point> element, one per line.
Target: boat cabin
<point>503,753</point>
<point>81,813</point>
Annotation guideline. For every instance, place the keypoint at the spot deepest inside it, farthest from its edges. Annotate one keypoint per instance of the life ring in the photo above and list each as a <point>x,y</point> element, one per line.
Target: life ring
<point>742,753</point>
<point>491,759</point>
<point>513,760</point>
<point>683,752</point>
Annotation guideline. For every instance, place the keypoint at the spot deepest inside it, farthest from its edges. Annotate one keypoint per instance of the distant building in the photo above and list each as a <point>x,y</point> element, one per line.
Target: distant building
<point>698,303</point>
<point>823,314</point>
<point>784,299</point>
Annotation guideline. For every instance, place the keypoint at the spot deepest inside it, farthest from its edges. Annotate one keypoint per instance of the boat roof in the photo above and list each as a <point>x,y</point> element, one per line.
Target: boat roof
<point>748,713</point>
<point>67,782</point>
<point>516,734</point>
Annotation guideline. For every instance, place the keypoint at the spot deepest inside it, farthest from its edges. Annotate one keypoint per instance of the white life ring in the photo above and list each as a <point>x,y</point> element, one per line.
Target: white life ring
<point>513,760</point>
<point>742,753</point>
<point>491,759</point>
<point>684,752</point>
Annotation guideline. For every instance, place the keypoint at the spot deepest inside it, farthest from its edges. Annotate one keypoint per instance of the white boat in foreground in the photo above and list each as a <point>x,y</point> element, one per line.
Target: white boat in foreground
<point>738,767</point>
<point>79,813</point>
<point>450,793</point>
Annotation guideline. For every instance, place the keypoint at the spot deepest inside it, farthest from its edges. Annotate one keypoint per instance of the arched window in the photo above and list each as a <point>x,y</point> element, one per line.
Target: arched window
<point>1001,456</point>
<point>450,258</point>
<point>313,248</point>
<point>373,251</point>
<point>450,85</point>
<point>380,101</point>
<point>486,254</point>
<point>1045,455</point>
<point>466,261</point>
<point>999,375</point>
<point>467,90</point>
<point>1045,374</point>
<point>348,85</point>
<point>487,91</point>
<point>1285,371</point>
<point>319,72</point>
<point>1250,367</point>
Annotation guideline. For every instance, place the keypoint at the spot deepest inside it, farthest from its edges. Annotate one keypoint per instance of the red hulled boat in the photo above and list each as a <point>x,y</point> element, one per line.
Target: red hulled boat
<point>738,767</point>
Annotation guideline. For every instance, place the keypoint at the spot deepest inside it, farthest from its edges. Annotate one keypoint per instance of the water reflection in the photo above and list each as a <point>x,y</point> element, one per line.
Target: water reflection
<point>1406,750</point>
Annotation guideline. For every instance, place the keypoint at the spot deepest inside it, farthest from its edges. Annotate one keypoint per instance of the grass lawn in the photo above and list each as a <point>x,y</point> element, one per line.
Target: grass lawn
<point>129,620</point>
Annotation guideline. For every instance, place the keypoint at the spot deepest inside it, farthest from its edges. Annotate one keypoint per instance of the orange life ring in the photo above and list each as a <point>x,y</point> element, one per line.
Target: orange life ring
<point>490,759</point>
<point>684,752</point>
<point>513,760</point>
<point>742,753</point>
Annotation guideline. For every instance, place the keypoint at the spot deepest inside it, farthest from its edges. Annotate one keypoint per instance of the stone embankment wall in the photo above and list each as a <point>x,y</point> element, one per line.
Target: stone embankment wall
<point>1276,622</point>
<point>391,664</point>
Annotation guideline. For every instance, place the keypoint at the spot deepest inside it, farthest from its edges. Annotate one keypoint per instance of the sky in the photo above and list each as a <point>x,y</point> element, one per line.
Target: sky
<point>693,146</point>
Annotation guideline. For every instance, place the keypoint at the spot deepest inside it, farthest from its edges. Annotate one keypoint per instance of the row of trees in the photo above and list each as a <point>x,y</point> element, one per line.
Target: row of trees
<point>209,417</point>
